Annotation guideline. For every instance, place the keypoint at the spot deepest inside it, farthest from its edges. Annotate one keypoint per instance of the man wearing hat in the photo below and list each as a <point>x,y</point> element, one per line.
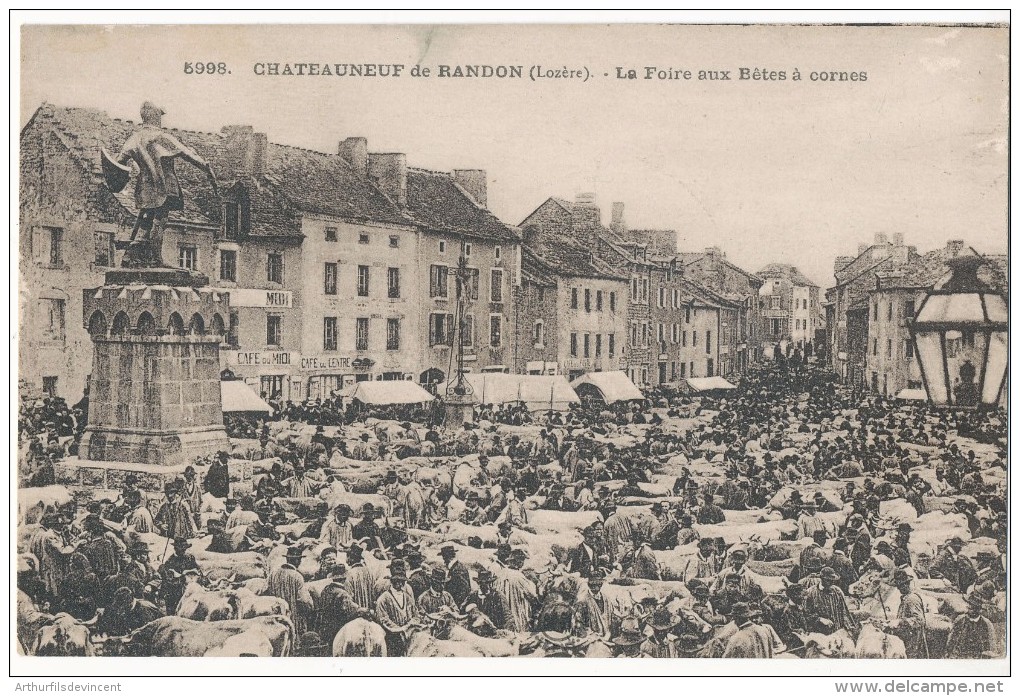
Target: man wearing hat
<point>952,565</point>
<point>217,479</point>
<point>628,641</point>
<point>171,572</point>
<point>51,550</point>
<point>972,636</point>
<point>689,646</point>
<point>124,577</point>
<point>790,620</point>
<point>366,529</point>
<point>458,582</point>
<point>139,566</point>
<point>397,611</point>
<point>125,612</point>
<point>901,548</point>
<point>360,580</point>
<point>336,605</point>
<point>709,512</point>
<point>738,571</point>
<point>138,518</point>
<point>363,450</point>
<point>592,611</point>
<point>825,606</point>
<point>435,597</point>
<point>271,485</point>
<point>486,600</point>
<point>175,519</point>
<point>474,514</point>
<point>910,624</point>
<point>582,559</point>
<point>661,643</point>
<point>338,531</point>
<point>287,583</point>
<point>751,640</point>
<point>99,549</point>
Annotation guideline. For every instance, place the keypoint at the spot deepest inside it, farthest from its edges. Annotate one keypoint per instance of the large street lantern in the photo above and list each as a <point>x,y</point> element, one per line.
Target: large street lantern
<point>961,335</point>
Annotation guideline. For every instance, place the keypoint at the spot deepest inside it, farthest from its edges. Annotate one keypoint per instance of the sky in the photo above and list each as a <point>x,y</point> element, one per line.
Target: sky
<point>770,171</point>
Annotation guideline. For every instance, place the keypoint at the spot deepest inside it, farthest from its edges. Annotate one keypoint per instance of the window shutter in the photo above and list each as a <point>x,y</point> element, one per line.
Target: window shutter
<point>449,329</point>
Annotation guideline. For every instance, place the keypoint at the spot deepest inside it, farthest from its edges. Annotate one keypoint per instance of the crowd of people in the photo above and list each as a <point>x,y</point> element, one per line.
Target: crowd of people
<point>599,531</point>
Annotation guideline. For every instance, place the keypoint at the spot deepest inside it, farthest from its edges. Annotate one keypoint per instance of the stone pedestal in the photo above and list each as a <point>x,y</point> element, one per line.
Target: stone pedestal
<point>458,409</point>
<point>154,391</point>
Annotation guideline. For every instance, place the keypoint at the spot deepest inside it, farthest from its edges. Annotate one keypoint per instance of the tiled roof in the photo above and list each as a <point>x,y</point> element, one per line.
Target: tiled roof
<point>571,259</point>
<point>435,201</point>
<point>788,271</point>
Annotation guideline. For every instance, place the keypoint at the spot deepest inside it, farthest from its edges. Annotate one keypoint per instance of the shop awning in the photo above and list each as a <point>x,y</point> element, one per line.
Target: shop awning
<point>238,397</point>
<point>390,392</point>
<point>537,392</point>
<point>610,387</point>
<point>708,383</point>
<point>912,395</point>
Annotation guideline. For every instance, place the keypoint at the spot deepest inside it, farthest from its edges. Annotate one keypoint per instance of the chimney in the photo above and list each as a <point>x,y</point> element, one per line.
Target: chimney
<point>586,219</point>
<point>861,248</point>
<point>881,238</point>
<point>617,223</point>
<point>532,238</point>
<point>245,149</point>
<point>714,253</point>
<point>389,172</point>
<point>897,239</point>
<point>475,183</point>
<point>354,151</point>
<point>954,247</point>
<point>841,263</point>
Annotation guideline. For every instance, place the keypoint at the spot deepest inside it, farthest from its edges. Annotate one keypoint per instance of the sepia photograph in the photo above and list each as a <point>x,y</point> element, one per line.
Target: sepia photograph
<point>511,341</point>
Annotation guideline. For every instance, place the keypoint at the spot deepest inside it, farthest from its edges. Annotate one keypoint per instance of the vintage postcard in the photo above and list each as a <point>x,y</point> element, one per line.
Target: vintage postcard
<point>501,342</point>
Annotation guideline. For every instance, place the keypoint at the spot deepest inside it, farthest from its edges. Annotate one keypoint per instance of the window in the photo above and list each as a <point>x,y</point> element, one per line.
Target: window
<point>874,313</point>
<point>496,285</point>
<point>497,252</point>
<point>908,309</point>
<point>687,315</point>
<point>644,300</point>
<point>362,281</point>
<point>271,386</point>
<point>393,282</point>
<point>329,333</point>
<point>274,268</point>
<point>472,284</point>
<point>232,330</point>
<point>392,334</point>
<point>363,238</point>
<point>495,331</point>
<point>710,368</point>
<point>228,265</point>
<point>598,300</point>
<point>274,330</point>
<point>662,297</point>
<point>541,294</point>
<point>438,281</point>
<point>889,314</point>
<point>598,345</point>
<point>683,337</point>
<point>573,345</point>
<point>49,386</point>
<point>329,278</point>
<point>469,330</point>
<point>467,250</point>
<point>874,346</point>
<point>662,332</point>
<point>968,339</point>
<point>56,240</point>
<point>330,234</point>
<point>394,241</point>
<point>539,334</point>
<point>442,247</point>
<point>612,345</point>
<point>440,329</point>
<point>683,370</point>
<point>693,373</point>
<point>708,343</point>
<point>187,257</point>
<point>104,249</point>
<point>573,298</point>
<point>587,345</point>
<point>694,339</point>
<point>645,334</point>
<point>634,289</point>
<point>908,348</point>
<point>231,220</point>
<point>633,334</point>
<point>587,300</point>
<point>774,302</point>
<point>612,302</point>
<point>54,320</point>
<point>361,333</point>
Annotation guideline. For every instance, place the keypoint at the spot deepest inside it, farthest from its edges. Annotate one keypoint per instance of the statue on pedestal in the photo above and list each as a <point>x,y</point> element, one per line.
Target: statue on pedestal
<point>157,190</point>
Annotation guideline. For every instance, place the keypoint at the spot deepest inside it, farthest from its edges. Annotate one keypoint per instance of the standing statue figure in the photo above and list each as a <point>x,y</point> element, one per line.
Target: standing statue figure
<point>157,190</point>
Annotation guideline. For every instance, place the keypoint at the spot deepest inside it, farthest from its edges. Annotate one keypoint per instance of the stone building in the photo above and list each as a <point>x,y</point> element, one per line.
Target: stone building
<point>791,308</point>
<point>536,317</point>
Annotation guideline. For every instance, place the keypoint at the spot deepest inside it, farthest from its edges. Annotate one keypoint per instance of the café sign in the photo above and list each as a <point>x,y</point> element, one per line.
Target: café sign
<point>257,297</point>
<point>280,358</point>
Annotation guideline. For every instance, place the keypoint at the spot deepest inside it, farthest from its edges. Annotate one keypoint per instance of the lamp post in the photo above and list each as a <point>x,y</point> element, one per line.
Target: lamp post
<point>459,404</point>
<point>961,335</point>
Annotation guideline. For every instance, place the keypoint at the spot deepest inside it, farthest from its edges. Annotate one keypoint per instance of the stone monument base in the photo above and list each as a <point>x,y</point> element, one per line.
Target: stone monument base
<point>109,476</point>
<point>151,447</point>
<point>458,410</point>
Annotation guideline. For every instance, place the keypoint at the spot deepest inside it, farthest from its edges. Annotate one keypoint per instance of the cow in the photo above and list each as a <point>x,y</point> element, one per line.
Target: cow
<point>34,502</point>
<point>251,643</point>
<point>64,636</point>
<point>176,636</point>
<point>838,645</point>
<point>201,604</point>
<point>248,605</point>
<point>30,620</point>
<point>873,644</point>
<point>360,638</point>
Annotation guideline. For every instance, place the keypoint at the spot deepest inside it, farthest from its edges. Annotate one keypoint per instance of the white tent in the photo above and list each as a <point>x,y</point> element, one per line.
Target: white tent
<point>238,397</point>
<point>537,392</point>
<point>389,392</point>
<point>912,395</point>
<point>607,386</point>
<point>708,383</point>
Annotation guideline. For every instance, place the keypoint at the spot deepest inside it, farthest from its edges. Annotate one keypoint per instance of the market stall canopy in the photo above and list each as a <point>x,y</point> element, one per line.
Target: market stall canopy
<point>702,384</point>
<point>912,395</point>
<point>537,392</point>
<point>238,397</point>
<point>609,387</point>
<point>388,393</point>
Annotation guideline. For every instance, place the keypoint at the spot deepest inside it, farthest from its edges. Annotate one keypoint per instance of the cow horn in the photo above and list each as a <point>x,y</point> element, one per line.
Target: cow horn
<point>93,620</point>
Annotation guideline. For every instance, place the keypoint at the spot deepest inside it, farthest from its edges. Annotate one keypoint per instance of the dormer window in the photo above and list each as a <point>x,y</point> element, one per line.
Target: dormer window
<point>363,238</point>
<point>231,220</point>
<point>442,246</point>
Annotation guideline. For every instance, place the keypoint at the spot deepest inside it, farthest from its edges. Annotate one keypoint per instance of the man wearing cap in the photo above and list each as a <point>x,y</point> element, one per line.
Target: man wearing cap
<point>287,583</point>
<point>751,640</point>
<point>171,572</point>
<point>336,605</point>
<point>139,567</point>
<point>338,531</point>
<point>910,624</point>
<point>175,518</point>
<point>825,606</point>
<point>458,582</point>
<point>952,565</point>
<point>397,611</point>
